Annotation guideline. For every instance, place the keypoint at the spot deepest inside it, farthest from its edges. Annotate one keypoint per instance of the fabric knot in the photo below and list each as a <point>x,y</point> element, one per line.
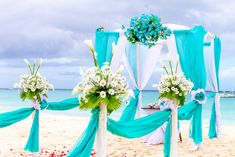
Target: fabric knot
<point>167,104</point>
<point>36,105</point>
<point>42,105</point>
<point>199,96</point>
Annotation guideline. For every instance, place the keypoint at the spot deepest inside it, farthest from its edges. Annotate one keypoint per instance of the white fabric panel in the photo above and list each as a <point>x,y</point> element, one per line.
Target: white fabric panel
<point>218,114</point>
<point>173,53</point>
<point>129,70</point>
<point>152,56</point>
<point>118,50</point>
<point>212,84</point>
<point>210,64</point>
<point>120,57</point>
<point>146,59</point>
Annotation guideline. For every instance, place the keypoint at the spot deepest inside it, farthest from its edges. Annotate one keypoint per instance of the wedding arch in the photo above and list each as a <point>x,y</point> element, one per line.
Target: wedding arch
<point>198,52</point>
<point>140,62</point>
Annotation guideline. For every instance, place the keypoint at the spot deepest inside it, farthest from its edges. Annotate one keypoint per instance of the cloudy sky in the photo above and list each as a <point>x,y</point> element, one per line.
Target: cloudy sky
<point>54,31</point>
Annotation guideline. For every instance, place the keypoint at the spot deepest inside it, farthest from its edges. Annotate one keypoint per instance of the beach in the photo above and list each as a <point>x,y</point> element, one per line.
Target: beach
<point>59,133</point>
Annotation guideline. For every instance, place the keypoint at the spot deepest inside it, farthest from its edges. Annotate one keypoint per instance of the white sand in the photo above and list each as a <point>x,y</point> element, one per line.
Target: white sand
<point>57,132</point>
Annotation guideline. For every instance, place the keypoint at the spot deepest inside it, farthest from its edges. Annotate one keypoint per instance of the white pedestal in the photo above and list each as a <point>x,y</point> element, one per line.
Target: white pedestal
<point>174,130</point>
<point>101,138</point>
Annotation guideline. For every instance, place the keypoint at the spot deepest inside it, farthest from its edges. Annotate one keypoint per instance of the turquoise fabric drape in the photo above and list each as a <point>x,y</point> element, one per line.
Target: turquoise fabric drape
<point>131,56</point>
<point>217,52</point>
<point>103,45</point>
<point>186,112</point>
<point>189,44</point>
<point>138,127</point>
<point>66,104</point>
<point>9,118</point>
<point>85,143</point>
<point>143,126</point>
<point>33,139</point>
<point>212,129</point>
<point>12,117</point>
<point>130,111</point>
<point>167,139</point>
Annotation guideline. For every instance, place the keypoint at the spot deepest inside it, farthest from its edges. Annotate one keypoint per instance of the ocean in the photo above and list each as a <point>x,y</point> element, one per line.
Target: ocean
<point>10,100</point>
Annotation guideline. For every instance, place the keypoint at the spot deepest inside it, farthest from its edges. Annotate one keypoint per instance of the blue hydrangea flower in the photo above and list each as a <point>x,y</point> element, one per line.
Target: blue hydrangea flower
<point>147,29</point>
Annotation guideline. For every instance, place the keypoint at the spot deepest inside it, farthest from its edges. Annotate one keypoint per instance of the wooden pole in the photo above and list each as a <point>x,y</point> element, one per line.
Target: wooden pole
<point>101,143</point>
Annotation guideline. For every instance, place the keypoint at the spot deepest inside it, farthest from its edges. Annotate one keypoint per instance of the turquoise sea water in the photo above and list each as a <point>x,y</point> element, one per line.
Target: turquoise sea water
<point>9,100</point>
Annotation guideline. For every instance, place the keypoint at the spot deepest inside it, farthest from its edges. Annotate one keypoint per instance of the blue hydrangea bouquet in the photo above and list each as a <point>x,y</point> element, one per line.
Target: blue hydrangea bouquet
<point>147,29</point>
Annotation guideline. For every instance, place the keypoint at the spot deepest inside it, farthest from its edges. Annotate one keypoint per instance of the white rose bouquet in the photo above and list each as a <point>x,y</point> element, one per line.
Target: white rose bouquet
<point>174,85</point>
<point>34,85</point>
<point>101,85</point>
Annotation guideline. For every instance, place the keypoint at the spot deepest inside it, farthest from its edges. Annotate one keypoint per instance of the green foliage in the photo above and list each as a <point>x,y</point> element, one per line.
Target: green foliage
<point>31,95</point>
<point>94,100</point>
<point>171,96</point>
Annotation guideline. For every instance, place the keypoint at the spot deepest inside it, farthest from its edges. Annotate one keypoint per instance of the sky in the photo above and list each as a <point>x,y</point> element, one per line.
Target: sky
<point>55,30</point>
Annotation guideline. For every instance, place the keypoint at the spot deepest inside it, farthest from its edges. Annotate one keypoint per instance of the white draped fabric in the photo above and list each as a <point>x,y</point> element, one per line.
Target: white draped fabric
<point>212,84</point>
<point>146,58</point>
<point>119,57</point>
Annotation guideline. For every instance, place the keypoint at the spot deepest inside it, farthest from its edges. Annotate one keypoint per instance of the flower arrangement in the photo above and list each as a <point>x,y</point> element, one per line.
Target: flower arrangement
<point>147,29</point>
<point>34,85</point>
<point>174,85</point>
<point>101,85</point>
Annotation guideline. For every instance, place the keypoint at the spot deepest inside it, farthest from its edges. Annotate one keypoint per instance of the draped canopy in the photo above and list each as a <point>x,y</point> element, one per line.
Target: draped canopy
<point>197,51</point>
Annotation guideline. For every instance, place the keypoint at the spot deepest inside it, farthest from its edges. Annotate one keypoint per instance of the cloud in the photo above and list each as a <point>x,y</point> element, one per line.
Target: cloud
<point>228,73</point>
<point>227,78</point>
<point>42,28</point>
<point>54,30</point>
<point>54,62</point>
